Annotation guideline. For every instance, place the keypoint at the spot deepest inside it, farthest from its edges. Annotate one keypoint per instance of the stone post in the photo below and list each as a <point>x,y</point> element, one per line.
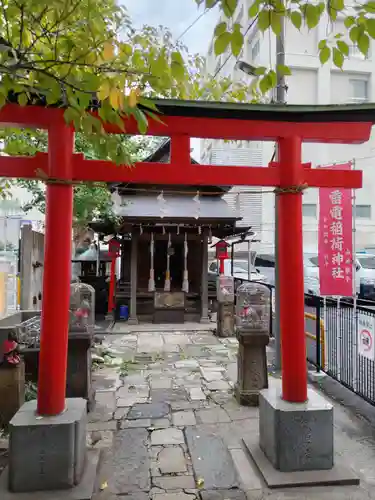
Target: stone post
<point>251,367</point>
<point>204,293</point>
<point>133,320</point>
<point>252,316</point>
<point>12,391</point>
<point>225,312</point>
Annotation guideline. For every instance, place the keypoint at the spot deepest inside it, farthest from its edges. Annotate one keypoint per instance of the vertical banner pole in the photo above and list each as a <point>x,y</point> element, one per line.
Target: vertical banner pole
<point>355,327</point>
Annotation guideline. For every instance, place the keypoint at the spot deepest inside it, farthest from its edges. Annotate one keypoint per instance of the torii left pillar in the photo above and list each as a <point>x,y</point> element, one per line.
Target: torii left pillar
<point>48,439</point>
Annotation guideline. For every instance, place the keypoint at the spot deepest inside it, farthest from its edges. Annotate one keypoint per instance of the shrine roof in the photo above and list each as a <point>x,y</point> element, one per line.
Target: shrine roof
<point>177,207</point>
<point>270,112</point>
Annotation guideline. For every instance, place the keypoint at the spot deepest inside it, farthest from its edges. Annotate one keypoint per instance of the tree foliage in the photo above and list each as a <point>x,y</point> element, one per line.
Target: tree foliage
<point>77,53</point>
<point>358,28</point>
<point>91,201</point>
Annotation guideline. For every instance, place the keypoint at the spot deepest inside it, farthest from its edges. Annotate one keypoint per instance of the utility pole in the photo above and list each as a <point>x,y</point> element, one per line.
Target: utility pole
<point>280,99</point>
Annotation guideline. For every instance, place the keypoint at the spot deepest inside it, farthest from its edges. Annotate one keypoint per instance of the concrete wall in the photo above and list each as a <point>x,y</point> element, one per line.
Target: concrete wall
<point>31,275</point>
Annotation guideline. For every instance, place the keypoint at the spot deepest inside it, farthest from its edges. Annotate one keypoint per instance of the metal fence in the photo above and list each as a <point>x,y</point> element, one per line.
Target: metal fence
<point>343,343</point>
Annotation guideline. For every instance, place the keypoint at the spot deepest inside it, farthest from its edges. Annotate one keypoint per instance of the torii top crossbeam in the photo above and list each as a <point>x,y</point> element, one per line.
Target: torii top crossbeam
<point>288,125</point>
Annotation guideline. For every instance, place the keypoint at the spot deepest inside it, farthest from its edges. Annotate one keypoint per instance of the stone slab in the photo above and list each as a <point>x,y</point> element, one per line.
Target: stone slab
<point>174,482</point>
<point>235,494</point>
<point>339,475</point>
<point>211,460</point>
<point>47,453</point>
<point>127,468</point>
<point>167,437</point>
<point>296,437</point>
<point>171,460</point>
<point>148,410</point>
<point>83,491</point>
<point>183,418</point>
<point>168,395</point>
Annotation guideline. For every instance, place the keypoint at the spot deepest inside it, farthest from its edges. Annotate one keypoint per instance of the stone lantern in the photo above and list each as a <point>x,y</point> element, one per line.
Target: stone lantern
<point>253,310</point>
<point>225,298</point>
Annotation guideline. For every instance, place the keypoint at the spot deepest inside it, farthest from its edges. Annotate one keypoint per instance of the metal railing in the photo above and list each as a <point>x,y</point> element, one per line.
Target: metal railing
<point>344,342</point>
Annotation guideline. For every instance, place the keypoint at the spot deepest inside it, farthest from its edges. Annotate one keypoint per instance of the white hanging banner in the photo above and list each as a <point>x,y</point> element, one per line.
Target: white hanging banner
<point>185,282</point>
<point>167,283</point>
<point>151,281</point>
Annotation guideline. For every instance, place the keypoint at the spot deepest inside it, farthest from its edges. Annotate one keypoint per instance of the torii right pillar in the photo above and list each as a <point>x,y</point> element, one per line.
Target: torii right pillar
<point>296,423</point>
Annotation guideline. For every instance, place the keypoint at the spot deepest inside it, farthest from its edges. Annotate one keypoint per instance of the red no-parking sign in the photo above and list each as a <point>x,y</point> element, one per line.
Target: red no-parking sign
<point>366,330</point>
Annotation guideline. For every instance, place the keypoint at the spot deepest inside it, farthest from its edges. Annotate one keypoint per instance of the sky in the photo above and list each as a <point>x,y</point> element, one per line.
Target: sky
<point>176,15</point>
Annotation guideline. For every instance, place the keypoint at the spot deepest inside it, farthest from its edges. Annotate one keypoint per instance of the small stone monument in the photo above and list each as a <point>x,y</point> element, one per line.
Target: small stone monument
<point>252,320</point>
<point>225,313</point>
<point>12,380</point>
<point>81,335</point>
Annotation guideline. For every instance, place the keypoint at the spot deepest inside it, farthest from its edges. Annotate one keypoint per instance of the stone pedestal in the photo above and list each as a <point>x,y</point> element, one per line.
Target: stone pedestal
<point>12,391</point>
<point>78,378</point>
<point>296,437</point>
<point>47,453</point>
<point>79,370</point>
<point>251,366</point>
<point>225,320</point>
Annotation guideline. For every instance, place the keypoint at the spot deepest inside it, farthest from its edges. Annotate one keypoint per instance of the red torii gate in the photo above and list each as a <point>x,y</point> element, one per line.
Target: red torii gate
<point>60,168</point>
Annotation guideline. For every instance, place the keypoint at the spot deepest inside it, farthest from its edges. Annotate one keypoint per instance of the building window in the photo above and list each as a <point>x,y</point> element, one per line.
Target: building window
<point>309,209</point>
<point>363,211</point>
<point>255,50</point>
<point>358,90</point>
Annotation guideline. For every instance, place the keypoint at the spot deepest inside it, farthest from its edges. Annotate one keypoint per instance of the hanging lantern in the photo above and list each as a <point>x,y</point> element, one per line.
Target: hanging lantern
<point>140,229</point>
<point>199,230</point>
<point>210,236</point>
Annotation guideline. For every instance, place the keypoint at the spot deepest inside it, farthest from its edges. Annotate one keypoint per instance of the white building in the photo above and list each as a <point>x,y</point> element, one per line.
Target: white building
<point>310,83</point>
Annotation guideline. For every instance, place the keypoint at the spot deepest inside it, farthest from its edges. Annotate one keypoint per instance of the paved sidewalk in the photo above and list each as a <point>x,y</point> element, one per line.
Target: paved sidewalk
<point>170,429</point>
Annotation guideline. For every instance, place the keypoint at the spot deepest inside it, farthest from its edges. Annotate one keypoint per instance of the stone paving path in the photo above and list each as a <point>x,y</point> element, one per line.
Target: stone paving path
<point>170,429</point>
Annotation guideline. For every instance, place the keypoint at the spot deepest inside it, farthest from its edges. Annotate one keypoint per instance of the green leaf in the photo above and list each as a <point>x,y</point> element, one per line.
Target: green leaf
<point>272,77</point>
<point>260,70</point>
<point>142,121</point>
<point>236,42</point>
<point>363,43</point>
<point>276,22</point>
<point>220,28</point>
<point>254,9</point>
<point>283,70</point>
<point>177,66</point>
<point>338,58</point>
<point>22,99</point>
<point>296,19</point>
<point>322,44</point>
<point>264,20</point>
<point>324,55</point>
<point>222,42</point>
<point>312,15</point>
<point>370,7</point>
<point>71,115</point>
<point>370,25</point>
<point>343,46</point>
<point>229,7</point>
<point>349,21</point>
<point>264,84</point>
<point>354,34</point>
